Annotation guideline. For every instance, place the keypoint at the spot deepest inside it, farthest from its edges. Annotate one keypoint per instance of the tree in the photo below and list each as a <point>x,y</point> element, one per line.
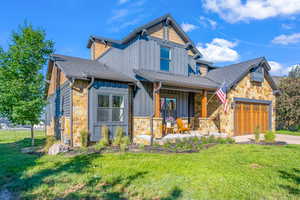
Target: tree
<point>288,103</point>
<point>21,79</point>
<point>295,71</point>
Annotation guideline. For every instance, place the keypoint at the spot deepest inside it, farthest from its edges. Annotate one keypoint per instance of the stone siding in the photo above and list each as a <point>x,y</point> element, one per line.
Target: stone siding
<point>246,89</point>
<point>50,128</point>
<point>142,126</point>
<point>80,110</point>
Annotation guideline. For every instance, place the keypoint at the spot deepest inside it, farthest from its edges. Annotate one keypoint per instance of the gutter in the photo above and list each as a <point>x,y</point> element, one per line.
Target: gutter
<point>155,90</point>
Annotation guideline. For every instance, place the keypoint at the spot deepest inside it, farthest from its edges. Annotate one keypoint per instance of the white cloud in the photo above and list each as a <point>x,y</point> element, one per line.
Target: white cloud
<point>287,39</point>
<point>119,14</point>
<point>287,26</point>
<point>188,27</point>
<point>208,22</point>
<point>123,1</point>
<point>278,69</point>
<point>241,10</point>
<point>219,50</point>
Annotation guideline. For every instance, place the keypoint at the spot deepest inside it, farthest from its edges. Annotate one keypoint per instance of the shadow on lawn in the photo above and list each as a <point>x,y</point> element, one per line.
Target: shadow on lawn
<point>92,188</point>
<point>294,180</point>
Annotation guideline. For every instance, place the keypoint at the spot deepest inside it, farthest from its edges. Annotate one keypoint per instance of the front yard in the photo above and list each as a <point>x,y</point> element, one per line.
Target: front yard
<point>220,172</point>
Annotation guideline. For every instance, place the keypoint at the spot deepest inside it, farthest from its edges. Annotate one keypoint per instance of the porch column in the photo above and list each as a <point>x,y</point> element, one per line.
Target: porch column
<point>204,104</point>
<point>157,101</point>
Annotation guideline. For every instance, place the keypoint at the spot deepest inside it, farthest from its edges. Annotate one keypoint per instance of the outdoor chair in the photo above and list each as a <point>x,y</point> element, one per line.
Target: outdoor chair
<point>180,126</point>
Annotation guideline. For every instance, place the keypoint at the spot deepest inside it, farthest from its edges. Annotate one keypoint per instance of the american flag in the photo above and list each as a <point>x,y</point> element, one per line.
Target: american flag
<point>221,93</point>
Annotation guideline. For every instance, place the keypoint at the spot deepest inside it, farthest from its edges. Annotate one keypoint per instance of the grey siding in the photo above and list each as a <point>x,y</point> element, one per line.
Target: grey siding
<point>150,56</point>
<point>142,99</point>
<point>109,88</point>
<point>123,58</point>
<point>66,100</point>
<point>145,54</point>
<point>182,101</point>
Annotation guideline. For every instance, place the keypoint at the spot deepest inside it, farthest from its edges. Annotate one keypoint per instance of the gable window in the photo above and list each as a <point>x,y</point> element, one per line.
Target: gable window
<point>165,58</point>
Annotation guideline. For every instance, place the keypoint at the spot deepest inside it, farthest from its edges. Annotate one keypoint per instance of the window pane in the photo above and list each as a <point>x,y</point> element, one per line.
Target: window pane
<point>117,114</point>
<point>165,52</point>
<point>118,102</point>
<point>103,114</point>
<point>103,101</point>
<point>164,65</point>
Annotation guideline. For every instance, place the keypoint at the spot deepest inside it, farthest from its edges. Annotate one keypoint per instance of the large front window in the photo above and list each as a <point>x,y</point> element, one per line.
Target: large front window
<point>165,58</point>
<point>110,108</point>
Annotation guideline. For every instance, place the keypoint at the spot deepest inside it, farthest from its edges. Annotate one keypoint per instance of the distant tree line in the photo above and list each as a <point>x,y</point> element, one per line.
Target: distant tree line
<point>288,102</point>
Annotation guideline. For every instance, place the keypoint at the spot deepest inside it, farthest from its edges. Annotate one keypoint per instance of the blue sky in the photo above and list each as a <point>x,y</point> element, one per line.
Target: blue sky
<point>225,31</point>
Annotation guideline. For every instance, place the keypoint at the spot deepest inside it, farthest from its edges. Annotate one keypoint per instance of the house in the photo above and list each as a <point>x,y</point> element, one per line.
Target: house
<point>153,75</point>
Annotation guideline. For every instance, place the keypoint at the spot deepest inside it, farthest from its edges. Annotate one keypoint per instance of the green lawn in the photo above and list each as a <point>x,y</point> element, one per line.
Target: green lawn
<point>287,132</point>
<point>220,172</point>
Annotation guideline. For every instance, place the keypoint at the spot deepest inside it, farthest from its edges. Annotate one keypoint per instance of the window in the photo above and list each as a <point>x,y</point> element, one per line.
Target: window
<point>165,58</point>
<point>103,108</point>
<point>110,108</point>
<point>118,108</point>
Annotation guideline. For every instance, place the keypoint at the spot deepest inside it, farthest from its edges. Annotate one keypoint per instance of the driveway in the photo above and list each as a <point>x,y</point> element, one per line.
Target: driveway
<point>289,139</point>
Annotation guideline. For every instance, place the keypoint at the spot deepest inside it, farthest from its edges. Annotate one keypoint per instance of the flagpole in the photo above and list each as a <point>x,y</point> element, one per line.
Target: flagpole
<point>211,97</point>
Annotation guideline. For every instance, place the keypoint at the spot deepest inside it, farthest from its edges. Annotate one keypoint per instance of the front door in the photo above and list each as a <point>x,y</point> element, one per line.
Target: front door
<point>168,108</point>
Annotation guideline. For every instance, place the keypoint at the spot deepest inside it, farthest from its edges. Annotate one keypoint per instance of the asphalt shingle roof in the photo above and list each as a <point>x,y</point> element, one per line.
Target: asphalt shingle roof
<point>170,79</point>
<point>233,73</point>
<point>74,67</point>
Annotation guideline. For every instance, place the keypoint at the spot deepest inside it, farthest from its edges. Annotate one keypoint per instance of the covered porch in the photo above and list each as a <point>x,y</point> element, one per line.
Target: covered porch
<point>183,110</point>
<point>182,104</point>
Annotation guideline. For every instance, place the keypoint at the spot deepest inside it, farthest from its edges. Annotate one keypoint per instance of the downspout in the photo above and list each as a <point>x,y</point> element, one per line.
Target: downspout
<point>155,90</point>
<point>88,101</point>
<point>71,111</point>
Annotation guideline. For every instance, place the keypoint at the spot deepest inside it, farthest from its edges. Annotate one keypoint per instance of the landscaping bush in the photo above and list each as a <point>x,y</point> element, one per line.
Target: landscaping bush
<point>84,138</point>
<point>118,136</point>
<point>50,140</point>
<point>269,137</point>
<point>257,134</point>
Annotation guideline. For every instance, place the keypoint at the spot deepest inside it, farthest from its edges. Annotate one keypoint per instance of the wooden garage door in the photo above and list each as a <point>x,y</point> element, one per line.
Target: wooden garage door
<point>248,116</point>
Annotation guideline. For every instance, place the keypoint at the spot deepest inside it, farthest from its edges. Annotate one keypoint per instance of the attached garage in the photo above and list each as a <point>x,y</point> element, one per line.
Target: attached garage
<point>250,115</point>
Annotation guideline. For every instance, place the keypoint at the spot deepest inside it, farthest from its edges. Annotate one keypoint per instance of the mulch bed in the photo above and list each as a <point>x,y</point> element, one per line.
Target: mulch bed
<point>134,149</point>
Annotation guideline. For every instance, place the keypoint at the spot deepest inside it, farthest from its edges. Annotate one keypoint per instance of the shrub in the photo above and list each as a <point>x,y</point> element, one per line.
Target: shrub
<point>84,138</point>
<point>270,137</point>
<point>105,134</point>
<point>118,136</point>
<point>50,140</point>
<point>211,139</point>
<point>257,134</point>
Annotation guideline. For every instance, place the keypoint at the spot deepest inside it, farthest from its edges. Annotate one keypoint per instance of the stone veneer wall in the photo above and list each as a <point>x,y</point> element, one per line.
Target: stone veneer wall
<point>80,109</point>
<point>217,120</point>
<point>246,89</point>
<point>141,126</point>
<point>50,128</point>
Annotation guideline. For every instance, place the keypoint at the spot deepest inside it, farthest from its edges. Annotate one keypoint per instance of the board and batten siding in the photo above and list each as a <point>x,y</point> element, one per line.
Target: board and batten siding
<point>143,100</point>
<point>150,57</point>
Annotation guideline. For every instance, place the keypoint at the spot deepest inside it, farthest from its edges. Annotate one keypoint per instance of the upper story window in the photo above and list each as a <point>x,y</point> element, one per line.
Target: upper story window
<point>165,58</point>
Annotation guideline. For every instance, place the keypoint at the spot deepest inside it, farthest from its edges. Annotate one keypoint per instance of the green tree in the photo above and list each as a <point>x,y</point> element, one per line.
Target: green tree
<point>21,79</point>
<point>288,103</point>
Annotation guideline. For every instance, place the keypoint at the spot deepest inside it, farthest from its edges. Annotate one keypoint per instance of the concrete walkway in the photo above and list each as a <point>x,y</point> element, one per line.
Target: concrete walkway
<point>289,139</point>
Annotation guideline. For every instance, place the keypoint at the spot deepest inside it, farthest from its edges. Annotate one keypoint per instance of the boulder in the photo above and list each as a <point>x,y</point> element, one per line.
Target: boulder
<point>58,148</point>
<point>142,139</point>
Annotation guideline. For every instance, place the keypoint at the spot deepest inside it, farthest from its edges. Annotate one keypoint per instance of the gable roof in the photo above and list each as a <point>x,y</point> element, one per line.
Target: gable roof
<point>79,68</point>
<point>140,29</point>
<point>170,79</point>
<point>232,74</point>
